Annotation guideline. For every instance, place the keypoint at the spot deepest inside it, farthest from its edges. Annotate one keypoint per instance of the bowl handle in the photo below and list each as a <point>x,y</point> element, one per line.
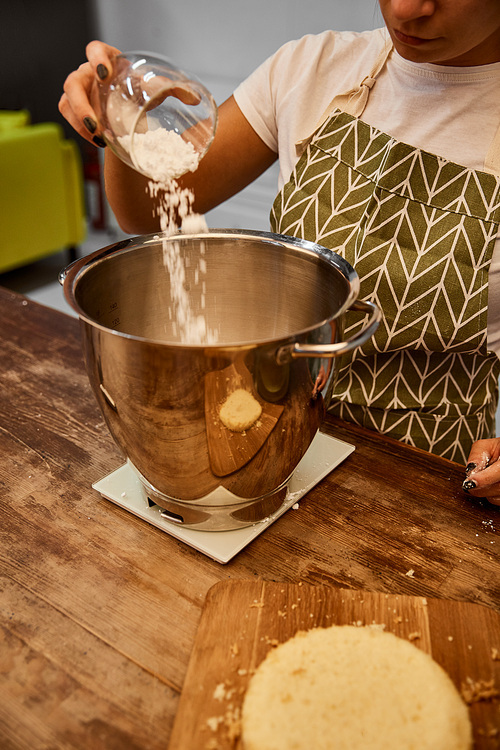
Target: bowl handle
<point>293,351</point>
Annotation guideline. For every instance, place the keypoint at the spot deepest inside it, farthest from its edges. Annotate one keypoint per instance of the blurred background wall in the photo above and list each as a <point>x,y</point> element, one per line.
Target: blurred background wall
<point>221,41</point>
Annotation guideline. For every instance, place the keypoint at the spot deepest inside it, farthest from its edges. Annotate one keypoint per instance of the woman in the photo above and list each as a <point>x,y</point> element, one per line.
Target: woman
<point>389,149</point>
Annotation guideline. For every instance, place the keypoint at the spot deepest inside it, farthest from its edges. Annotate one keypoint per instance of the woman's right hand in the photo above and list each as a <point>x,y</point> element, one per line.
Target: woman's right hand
<point>75,103</point>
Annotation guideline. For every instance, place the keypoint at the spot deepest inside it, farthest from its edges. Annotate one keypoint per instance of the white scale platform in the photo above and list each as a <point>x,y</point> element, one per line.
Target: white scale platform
<point>125,489</point>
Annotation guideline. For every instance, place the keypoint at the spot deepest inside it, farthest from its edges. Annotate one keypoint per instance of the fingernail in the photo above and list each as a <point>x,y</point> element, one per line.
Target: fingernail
<point>470,467</point>
<point>90,124</point>
<point>99,141</point>
<point>102,71</point>
<point>469,484</point>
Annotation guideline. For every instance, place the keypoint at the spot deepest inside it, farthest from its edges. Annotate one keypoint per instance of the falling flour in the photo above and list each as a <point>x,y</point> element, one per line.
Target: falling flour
<point>165,156</point>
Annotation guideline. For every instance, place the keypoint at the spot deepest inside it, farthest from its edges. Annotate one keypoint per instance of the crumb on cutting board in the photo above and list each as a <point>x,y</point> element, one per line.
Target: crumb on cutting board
<point>256,604</point>
<point>474,691</point>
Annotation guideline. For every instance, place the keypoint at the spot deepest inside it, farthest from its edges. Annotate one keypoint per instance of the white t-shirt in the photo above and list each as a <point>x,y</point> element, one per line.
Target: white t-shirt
<point>286,96</point>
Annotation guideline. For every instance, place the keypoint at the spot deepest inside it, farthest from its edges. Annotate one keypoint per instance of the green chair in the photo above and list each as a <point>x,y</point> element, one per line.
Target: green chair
<point>42,207</point>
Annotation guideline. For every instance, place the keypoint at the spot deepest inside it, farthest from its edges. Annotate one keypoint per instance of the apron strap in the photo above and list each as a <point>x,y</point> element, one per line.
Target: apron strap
<point>352,102</point>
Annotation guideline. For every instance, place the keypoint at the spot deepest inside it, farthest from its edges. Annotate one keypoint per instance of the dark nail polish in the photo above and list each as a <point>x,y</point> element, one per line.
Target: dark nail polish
<point>102,71</point>
<point>469,484</point>
<point>99,141</point>
<point>90,124</point>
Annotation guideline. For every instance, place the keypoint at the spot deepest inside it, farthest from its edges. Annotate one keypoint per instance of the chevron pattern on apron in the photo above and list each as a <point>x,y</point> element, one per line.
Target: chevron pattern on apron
<point>420,232</point>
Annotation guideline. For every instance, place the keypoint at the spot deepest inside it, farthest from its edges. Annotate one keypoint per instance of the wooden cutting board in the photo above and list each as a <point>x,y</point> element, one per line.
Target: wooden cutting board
<point>242,620</point>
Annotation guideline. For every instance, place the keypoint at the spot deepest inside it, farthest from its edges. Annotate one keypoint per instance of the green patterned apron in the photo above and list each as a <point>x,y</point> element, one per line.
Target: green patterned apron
<point>420,232</point>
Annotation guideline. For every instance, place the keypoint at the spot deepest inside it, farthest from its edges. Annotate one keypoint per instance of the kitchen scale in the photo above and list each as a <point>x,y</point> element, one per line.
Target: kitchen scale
<point>124,488</point>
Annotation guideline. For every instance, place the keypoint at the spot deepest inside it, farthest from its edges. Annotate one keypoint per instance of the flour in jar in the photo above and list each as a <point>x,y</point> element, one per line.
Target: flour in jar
<point>161,154</point>
<point>165,156</point>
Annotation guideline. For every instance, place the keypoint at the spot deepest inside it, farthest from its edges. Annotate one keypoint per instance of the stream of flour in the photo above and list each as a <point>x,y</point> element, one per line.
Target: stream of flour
<point>165,156</point>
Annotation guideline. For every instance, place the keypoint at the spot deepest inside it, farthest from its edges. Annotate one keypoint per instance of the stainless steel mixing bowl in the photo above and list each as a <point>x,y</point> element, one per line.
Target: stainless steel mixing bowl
<point>277,305</point>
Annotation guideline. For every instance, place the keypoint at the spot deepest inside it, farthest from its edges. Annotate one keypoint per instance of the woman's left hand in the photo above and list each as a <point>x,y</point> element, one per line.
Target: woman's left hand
<point>483,470</point>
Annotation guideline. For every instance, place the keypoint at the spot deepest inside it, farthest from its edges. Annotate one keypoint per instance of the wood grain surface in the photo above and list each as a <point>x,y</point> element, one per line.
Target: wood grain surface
<point>243,620</point>
<point>99,611</point>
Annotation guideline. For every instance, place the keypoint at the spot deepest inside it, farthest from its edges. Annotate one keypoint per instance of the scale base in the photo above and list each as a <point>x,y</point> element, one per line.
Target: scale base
<point>124,488</point>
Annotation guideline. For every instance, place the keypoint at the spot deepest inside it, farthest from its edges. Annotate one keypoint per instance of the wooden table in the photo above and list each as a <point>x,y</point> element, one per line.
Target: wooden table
<point>99,610</point>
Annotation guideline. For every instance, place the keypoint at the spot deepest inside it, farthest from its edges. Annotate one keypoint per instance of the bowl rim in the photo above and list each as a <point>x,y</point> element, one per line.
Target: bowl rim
<point>71,276</point>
